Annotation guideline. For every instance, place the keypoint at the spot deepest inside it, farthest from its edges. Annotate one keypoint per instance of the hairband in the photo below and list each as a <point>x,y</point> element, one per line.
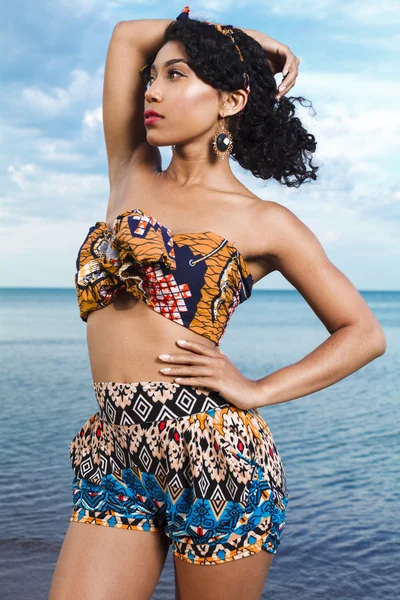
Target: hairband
<point>225,30</point>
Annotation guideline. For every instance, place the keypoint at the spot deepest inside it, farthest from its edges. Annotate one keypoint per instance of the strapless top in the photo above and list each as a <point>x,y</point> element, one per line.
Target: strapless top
<point>194,279</point>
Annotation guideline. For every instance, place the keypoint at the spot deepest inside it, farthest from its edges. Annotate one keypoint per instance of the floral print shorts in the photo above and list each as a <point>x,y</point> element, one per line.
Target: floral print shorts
<point>179,458</point>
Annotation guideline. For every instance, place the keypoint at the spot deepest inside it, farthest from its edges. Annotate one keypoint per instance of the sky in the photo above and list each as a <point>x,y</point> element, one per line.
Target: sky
<point>53,165</point>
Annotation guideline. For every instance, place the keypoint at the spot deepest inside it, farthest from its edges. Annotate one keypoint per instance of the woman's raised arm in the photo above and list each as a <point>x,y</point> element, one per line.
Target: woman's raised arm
<point>132,44</point>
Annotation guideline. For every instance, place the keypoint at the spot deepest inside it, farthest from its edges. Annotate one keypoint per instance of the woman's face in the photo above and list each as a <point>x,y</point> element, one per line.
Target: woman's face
<point>189,106</point>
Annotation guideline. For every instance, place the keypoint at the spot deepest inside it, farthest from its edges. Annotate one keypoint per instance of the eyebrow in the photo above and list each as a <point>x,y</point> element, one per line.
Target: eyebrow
<point>171,61</point>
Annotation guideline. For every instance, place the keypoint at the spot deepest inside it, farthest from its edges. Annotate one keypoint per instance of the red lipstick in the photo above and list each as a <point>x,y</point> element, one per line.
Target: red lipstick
<point>151,116</point>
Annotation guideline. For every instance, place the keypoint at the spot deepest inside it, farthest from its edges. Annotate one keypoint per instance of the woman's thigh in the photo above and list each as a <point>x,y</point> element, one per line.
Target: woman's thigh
<point>244,578</point>
<point>98,562</point>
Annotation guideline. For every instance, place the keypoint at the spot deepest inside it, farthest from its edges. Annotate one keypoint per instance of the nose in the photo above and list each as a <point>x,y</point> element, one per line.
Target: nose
<point>153,93</point>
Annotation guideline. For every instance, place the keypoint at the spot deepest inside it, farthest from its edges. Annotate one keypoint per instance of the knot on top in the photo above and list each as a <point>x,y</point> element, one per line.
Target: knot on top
<point>137,239</point>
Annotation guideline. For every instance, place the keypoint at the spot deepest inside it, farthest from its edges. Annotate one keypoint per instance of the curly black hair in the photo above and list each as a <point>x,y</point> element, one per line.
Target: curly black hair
<point>268,139</point>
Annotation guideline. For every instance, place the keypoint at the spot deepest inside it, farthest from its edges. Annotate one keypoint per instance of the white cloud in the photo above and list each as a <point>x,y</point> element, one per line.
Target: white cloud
<point>58,151</point>
<point>45,253</point>
<point>92,121</point>
<point>49,104</point>
<point>107,9</point>
<point>78,8</point>
<point>389,43</point>
<point>83,87</point>
<point>356,114</point>
<point>344,130</point>
<point>41,193</point>
<point>370,12</point>
<point>364,12</point>
<point>34,146</point>
<point>21,176</point>
<point>361,89</point>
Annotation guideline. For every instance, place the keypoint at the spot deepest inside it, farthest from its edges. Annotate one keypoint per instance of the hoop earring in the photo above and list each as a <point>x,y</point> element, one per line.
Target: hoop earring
<point>222,141</point>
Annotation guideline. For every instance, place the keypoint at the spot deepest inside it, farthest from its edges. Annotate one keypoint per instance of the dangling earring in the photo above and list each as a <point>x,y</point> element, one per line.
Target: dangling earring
<point>222,141</point>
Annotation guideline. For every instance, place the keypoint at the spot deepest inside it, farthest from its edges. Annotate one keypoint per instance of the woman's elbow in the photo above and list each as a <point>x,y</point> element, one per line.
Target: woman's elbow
<point>377,340</point>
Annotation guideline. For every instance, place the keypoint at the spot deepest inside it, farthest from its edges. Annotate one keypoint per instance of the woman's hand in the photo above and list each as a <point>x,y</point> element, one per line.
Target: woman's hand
<point>280,58</point>
<point>203,366</point>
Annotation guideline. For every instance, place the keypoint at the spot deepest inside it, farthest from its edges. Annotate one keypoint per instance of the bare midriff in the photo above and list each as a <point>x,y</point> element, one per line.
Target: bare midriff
<point>126,337</point>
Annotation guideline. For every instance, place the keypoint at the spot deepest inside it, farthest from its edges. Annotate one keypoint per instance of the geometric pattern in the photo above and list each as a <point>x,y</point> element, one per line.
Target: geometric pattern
<point>162,455</point>
<point>195,279</point>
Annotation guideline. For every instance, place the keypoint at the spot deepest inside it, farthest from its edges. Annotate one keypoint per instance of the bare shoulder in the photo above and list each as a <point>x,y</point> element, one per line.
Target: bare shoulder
<point>280,231</point>
<point>280,241</point>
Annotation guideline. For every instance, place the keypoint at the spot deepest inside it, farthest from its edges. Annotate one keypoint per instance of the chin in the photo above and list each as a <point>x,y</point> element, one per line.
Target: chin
<point>154,140</point>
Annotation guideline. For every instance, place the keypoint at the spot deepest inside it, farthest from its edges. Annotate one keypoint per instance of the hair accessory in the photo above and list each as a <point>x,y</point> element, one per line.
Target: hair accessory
<point>184,16</point>
<point>246,82</point>
<point>227,30</point>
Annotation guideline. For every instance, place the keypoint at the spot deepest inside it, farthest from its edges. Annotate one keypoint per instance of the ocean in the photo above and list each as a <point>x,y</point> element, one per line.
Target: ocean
<point>339,446</point>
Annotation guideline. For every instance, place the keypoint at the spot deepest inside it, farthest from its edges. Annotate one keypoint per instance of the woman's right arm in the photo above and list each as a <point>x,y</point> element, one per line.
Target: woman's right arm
<point>132,44</point>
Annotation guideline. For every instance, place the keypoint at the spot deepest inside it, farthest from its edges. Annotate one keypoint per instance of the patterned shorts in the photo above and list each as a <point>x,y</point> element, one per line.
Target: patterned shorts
<point>179,458</point>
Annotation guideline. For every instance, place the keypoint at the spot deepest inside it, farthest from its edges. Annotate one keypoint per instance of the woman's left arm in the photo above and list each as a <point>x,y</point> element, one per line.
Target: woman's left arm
<point>356,336</point>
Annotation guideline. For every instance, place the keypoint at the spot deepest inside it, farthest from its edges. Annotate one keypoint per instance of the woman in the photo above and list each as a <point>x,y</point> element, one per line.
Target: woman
<point>178,453</point>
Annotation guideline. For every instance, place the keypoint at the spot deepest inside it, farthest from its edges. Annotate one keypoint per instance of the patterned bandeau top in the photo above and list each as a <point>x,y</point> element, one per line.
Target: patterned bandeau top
<point>195,279</point>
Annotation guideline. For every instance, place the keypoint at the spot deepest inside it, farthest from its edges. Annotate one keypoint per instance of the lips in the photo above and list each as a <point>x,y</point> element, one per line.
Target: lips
<point>151,113</point>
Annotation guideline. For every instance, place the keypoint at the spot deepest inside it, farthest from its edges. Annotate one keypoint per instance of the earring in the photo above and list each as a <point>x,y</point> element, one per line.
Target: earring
<point>222,141</point>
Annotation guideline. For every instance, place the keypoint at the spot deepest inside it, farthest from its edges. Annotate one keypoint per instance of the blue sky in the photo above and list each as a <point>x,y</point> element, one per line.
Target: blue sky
<point>53,165</point>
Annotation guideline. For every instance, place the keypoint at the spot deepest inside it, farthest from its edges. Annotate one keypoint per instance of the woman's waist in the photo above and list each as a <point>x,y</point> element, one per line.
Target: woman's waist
<point>132,354</point>
<point>126,365</point>
<point>127,349</point>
